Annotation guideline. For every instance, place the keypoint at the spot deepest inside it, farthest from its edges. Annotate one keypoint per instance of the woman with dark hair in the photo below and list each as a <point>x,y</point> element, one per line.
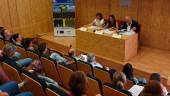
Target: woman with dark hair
<point>153,88</point>
<point>16,39</point>
<point>27,43</point>
<point>6,34</point>
<point>98,21</point>
<point>128,71</point>
<point>78,84</point>
<point>112,23</point>
<point>157,77</point>
<point>43,51</point>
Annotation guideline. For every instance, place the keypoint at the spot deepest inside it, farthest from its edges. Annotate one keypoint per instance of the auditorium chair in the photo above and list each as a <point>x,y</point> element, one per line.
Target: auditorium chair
<point>13,72</point>
<point>21,51</point>
<point>65,74</point>
<point>110,90</point>
<point>56,91</point>
<point>85,67</point>
<point>94,86</point>
<point>102,74</point>
<point>32,54</point>
<point>55,51</point>
<point>50,69</point>
<point>128,84</point>
<point>34,84</point>
<point>1,43</point>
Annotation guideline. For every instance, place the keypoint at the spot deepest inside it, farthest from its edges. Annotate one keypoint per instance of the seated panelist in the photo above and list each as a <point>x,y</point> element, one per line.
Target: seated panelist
<point>111,22</point>
<point>130,24</point>
<point>99,20</point>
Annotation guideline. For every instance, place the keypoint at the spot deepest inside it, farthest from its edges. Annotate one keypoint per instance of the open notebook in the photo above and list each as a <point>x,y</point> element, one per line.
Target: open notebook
<point>136,90</point>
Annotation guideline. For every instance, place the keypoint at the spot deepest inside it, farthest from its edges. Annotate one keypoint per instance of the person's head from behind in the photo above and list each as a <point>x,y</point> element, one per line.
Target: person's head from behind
<point>112,18</point>
<point>155,76</point>
<point>128,70</point>
<point>119,79</point>
<point>128,19</point>
<point>9,50</point>
<point>6,34</point>
<point>91,58</point>
<point>17,37</point>
<point>153,88</point>
<point>99,16</point>
<point>35,67</point>
<point>78,83</point>
<point>42,48</point>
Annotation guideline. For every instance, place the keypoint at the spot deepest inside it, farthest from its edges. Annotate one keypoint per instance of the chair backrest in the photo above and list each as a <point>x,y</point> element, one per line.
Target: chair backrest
<point>21,50</point>
<point>128,84</point>
<point>94,86</point>
<point>86,68</point>
<point>33,85</point>
<point>102,74</point>
<point>109,91</point>
<point>65,74</point>
<point>11,72</point>
<point>32,55</point>
<point>1,43</point>
<point>50,69</point>
<point>56,91</point>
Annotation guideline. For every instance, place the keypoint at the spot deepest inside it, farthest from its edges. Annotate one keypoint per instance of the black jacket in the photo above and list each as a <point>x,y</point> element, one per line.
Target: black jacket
<point>134,24</point>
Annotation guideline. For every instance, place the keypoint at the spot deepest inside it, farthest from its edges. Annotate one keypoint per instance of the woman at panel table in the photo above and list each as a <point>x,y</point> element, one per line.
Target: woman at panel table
<point>111,22</point>
<point>99,20</point>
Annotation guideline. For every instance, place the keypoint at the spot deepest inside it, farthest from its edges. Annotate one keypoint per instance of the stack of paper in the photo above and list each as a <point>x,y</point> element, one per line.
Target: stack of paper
<point>115,35</point>
<point>99,32</point>
<point>136,90</point>
<point>83,29</point>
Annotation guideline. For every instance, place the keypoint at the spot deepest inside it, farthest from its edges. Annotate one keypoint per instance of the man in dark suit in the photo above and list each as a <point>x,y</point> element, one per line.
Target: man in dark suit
<point>130,24</point>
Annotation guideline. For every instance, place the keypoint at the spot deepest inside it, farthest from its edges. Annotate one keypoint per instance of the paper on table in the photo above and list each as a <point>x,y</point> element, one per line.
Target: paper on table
<point>115,35</point>
<point>136,90</point>
<point>83,29</point>
<point>99,32</point>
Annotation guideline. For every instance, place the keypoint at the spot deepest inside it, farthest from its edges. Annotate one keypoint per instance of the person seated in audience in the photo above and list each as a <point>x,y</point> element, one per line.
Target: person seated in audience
<point>43,51</point>
<point>3,77</point>
<point>130,24</point>
<point>1,29</point>
<point>6,34</point>
<point>99,20</point>
<point>157,77</point>
<point>27,44</point>
<point>36,68</point>
<point>112,23</point>
<point>9,56</point>
<point>153,88</point>
<point>4,94</point>
<point>11,88</point>
<point>78,84</point>
<point>16,39</point>
<point>128,71</point>
<point>119,80</point>
<point>91,59</point>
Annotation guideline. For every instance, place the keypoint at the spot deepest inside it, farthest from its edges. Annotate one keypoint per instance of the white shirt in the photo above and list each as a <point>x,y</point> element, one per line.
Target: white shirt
<point>98,22</point>
<point>128,27</point>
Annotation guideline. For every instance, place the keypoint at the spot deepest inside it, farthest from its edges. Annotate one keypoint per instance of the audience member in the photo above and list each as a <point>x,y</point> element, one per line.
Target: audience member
<point>28,44</point>
<point>78,84</point>
<point>43,50</point>
<point>91,59</point>
<point>153,88</point>
<point>9,56</point>
<point>36,68</point>
<point>157,77</point>
<point>16,39</point>
<point>6,34</point>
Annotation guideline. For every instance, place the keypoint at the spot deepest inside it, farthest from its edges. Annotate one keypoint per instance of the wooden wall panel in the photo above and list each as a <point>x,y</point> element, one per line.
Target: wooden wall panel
<point>153,15</point>
<point>27,17</point>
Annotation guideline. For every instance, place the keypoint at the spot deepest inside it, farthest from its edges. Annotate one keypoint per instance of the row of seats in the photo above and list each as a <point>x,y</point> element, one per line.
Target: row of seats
<point>98,78</point>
